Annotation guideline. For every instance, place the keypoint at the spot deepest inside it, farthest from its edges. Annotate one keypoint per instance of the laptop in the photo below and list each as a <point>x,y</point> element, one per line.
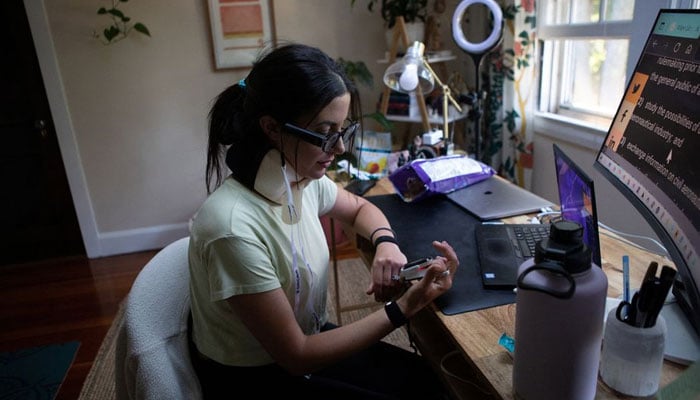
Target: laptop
<point>495,198</point>
<point>503,247</point>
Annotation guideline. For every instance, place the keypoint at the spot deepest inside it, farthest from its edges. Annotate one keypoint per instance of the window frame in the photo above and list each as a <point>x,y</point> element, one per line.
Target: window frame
<point>586,128</point>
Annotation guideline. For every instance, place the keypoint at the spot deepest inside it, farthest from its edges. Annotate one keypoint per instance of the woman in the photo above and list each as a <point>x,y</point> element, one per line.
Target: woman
<point>258,256</point>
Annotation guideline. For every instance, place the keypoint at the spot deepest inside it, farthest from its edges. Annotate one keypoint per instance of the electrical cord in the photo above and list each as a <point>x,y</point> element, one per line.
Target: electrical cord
<point>547,215</point>
<point>448,372</point>
<point>663,252</point>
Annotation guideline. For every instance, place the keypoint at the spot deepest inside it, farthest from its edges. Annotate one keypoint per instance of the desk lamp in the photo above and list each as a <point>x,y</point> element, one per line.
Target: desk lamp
<point>413,71</point>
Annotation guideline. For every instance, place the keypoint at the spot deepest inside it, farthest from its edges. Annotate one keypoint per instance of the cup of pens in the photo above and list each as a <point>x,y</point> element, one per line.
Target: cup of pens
<point>633,344</point>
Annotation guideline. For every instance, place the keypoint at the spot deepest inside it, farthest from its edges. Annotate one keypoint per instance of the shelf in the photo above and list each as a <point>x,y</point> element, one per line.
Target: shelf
<point>432,119</point>
<point>431,58</point>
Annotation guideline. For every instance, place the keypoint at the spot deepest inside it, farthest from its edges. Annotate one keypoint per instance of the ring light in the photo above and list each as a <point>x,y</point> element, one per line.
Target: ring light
<point>491,40</point>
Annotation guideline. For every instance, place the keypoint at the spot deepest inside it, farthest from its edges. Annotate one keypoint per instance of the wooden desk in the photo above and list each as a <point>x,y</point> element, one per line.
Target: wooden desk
<point>467,343</point>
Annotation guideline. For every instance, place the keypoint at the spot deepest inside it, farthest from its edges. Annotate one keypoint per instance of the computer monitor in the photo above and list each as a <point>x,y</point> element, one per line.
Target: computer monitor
<point>651,153</point>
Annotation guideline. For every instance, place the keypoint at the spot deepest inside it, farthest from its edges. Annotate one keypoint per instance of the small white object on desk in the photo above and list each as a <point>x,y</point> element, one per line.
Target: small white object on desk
<point>432,137</point>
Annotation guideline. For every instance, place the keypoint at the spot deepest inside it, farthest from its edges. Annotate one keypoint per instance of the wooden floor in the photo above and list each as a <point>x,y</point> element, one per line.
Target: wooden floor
<point>69,299</point>
<point>63,300</point>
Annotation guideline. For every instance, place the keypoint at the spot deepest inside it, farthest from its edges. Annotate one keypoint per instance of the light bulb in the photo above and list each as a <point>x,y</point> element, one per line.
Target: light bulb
<point>409,78</point>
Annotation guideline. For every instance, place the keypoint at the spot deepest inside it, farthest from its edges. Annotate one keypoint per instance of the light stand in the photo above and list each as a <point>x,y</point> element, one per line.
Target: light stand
<point>476,51</point>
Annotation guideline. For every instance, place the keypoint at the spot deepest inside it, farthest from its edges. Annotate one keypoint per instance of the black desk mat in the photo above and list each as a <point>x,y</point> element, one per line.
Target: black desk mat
<point>437,218</point>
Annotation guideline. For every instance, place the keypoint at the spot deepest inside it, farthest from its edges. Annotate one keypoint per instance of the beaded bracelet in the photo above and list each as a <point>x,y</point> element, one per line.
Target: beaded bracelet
<point>383,228</point>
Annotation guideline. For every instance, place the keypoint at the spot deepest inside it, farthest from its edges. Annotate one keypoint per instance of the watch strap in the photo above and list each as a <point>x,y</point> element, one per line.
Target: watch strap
<point>396,316</point>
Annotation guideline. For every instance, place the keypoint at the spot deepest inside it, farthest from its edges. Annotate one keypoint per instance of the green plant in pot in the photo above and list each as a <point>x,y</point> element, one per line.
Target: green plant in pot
<point>358,72</point>
<point>120,26</point>
<point>414,13</point>
<point>411,10</point>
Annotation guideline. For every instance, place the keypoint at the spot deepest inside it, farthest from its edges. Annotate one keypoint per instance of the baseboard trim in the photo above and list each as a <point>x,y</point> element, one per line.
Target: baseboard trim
<point>140,239</point>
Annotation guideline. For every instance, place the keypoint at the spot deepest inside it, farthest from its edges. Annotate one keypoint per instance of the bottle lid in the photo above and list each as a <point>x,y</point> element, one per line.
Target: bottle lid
<point>565,246</point>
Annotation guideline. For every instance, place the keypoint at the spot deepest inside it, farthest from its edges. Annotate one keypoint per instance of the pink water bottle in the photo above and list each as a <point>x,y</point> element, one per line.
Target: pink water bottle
<point>560,308</point>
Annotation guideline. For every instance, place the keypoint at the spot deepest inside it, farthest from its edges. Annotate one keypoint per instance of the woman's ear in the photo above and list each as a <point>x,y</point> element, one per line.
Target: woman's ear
<point>270,127</point>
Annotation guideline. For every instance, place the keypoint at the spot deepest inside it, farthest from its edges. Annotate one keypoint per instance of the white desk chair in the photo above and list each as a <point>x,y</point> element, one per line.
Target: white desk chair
<point>152,354</point>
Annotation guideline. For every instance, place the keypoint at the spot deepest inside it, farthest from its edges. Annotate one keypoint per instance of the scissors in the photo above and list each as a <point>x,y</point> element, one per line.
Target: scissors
<point>627,310</point>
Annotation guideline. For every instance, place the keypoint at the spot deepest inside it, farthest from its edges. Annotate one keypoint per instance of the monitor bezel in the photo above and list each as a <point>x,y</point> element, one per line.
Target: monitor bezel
<point>685,288</point>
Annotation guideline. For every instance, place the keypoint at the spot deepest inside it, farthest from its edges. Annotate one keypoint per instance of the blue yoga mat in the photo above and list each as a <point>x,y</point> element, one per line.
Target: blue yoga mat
<point>35,373</point>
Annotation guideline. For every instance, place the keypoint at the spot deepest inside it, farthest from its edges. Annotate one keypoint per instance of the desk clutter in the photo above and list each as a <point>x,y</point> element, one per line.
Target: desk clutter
<point>632,356</point>
<point>645,306</point>
<point>635,336</point>
<point>422,178</point>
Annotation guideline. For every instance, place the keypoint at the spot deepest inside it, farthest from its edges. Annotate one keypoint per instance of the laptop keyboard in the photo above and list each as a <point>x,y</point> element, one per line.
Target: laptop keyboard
<point>528,235</point>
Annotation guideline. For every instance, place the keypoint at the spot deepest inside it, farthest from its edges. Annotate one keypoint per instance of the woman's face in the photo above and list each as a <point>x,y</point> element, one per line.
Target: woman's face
<point>309,160</point>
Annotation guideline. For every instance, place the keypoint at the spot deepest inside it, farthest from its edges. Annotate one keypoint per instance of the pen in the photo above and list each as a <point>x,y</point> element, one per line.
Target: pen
<point>650,275</point>
<point>647,292</point>
<point>665,283</point>
<point>626,278</point>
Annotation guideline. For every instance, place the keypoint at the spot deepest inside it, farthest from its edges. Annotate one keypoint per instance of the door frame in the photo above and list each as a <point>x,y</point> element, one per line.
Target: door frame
<point>46,54</point>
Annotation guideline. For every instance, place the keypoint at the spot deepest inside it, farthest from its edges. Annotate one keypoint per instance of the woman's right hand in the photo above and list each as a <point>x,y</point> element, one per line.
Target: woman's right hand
<point>437,280</point>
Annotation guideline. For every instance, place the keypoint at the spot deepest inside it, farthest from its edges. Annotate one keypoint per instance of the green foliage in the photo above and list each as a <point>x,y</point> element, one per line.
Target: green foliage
<point>410,10</point>
<point>358,72</point>
<point>121,24</point>
<point>381,120</point>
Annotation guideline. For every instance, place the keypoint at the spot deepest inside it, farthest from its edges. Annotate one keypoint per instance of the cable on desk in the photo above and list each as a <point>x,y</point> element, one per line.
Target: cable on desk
<point>548,216</point>
<point>663,253</point>
<point>445,370</point>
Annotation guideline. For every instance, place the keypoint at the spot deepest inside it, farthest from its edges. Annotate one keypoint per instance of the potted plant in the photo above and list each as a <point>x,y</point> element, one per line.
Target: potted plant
<point>414,13</point>
<point>121,24</point>
<point>358,72</point>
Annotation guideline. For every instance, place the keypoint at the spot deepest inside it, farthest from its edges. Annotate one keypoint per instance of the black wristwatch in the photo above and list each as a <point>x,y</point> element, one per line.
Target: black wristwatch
<point>396,316</point>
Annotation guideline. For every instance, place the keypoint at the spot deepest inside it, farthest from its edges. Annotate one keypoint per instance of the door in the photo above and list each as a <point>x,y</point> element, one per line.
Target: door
<point>37,215</point>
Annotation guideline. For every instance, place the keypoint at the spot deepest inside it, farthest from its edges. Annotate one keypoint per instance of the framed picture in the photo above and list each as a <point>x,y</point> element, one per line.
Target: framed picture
<point>240,29</point>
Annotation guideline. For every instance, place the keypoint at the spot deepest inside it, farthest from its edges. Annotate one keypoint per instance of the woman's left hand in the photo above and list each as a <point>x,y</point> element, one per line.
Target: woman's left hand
<point>386,267</point>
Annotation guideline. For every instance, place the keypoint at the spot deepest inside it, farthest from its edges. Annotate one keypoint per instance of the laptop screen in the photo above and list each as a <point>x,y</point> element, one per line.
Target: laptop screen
<point>577,200</point>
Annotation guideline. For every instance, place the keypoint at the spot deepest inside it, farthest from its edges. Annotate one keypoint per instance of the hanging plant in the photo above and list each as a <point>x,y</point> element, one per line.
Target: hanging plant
<point>121,24</point>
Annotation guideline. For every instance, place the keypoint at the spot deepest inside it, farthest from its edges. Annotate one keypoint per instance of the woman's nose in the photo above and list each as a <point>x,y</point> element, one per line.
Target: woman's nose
<point>339,147</point>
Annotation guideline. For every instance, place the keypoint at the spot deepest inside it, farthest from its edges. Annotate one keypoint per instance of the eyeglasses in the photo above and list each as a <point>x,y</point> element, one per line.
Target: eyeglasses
<point>326,142</point>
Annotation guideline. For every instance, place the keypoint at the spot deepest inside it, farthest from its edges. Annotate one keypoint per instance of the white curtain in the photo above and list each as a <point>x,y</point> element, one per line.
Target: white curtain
<point>510,77</point>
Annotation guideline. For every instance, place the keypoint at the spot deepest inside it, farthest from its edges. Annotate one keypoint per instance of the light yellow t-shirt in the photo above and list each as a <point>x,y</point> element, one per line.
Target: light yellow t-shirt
<point>240,243</point>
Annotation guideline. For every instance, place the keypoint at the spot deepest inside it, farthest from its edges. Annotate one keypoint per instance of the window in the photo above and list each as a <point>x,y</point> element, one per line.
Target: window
<point>585,45</point>
<point>588,47</point>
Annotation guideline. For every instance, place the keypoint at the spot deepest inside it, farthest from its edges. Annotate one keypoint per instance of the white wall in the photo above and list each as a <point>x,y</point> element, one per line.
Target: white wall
<point>131,117</point>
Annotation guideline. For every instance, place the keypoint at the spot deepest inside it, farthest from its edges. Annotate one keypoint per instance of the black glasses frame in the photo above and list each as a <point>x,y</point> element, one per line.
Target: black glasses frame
<point>325,142</point>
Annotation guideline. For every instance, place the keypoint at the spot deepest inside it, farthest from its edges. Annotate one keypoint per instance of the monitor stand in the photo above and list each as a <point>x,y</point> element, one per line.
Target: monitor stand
<point>682,342</point>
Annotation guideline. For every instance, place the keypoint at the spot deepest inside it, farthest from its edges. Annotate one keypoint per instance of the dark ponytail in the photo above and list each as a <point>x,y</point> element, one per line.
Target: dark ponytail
<point>290,83</point>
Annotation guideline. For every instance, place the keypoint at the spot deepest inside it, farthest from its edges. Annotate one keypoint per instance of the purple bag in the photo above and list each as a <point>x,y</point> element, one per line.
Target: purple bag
<point>425,177</point>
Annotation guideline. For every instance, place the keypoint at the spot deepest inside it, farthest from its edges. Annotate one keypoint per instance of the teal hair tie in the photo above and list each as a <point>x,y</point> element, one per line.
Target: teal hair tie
<point>241,83</point>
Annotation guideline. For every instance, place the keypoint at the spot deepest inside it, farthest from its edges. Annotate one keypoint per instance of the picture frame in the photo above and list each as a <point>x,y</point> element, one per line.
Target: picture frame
<point>240,30</point>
